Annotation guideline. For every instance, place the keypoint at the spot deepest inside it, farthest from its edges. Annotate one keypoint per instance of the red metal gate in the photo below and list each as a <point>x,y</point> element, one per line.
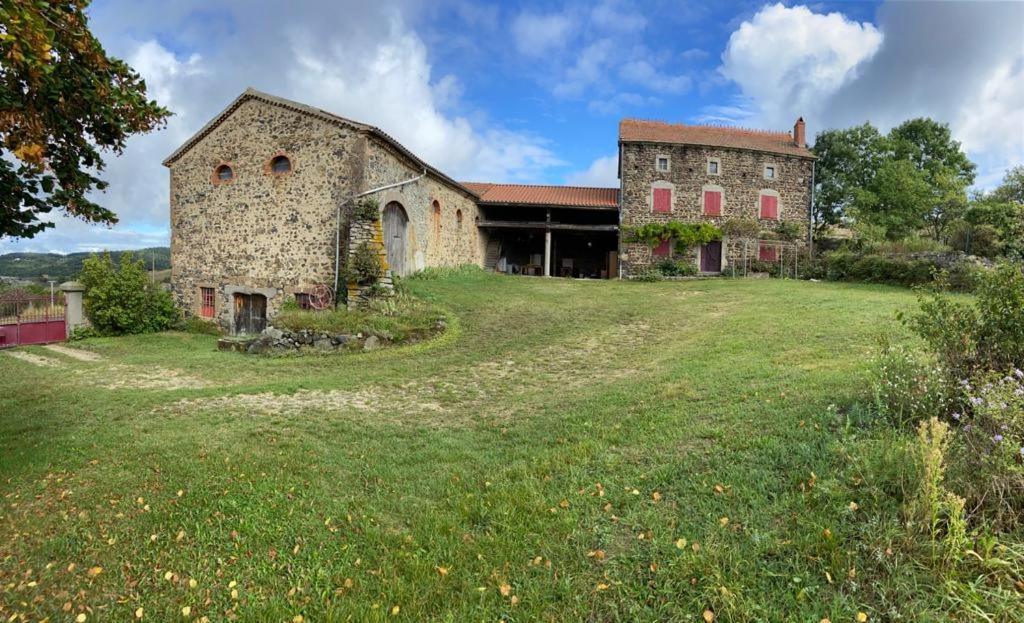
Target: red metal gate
<point>31,319</point>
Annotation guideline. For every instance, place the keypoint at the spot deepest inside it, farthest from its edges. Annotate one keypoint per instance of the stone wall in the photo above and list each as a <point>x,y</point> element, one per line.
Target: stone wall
<point>260,232</point>
<point>740,178</point>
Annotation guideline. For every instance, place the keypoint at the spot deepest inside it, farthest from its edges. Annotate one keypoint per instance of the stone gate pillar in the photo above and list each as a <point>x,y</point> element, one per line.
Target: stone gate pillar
<point>74,311</point>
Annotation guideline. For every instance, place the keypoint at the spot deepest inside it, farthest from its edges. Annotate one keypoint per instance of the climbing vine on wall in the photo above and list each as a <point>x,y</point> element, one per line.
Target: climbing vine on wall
<point>366,210</point>
<point>685,235</point>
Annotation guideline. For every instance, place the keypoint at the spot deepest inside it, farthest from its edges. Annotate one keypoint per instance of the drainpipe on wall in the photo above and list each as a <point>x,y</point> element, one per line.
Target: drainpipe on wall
<point>337,224</point>
<point>810,217</point>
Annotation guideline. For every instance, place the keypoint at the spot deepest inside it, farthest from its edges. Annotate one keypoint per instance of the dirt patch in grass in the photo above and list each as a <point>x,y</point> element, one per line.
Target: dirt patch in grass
<point>119,376</point>
<point>74,353</point>
<point>36,360</point>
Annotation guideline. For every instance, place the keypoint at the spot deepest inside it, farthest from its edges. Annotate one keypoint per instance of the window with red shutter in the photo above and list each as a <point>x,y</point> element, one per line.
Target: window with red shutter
<point>769,206</point>
<point>767,253</point>
<point>208,305</point>
<point>712,203</point>
<point>663,249</point>
<point>663,200</point>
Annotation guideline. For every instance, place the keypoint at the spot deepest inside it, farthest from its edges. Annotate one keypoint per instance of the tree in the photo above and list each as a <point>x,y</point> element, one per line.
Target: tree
<point>847,160</point>
<point>122,299</point>
<point>1012,188</point>
<point>898,199</point>
<point>62,101</point>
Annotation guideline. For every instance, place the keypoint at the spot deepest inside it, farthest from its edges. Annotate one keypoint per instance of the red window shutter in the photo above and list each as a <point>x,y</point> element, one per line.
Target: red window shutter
<point>767,253</point>
<point>712,203</point>
<point>663,200</point>
<point>663,249</point>
<point>769,206</point>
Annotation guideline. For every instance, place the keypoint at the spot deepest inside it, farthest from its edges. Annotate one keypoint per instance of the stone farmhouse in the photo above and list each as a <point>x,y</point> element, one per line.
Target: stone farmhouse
<point>260,198</point>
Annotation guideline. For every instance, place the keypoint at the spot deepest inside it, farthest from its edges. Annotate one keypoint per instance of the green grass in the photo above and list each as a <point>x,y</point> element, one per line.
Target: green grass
<point>556,442</point>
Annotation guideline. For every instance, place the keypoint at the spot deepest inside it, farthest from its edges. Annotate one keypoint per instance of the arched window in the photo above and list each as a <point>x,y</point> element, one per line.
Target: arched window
<point>435,218</point>
<point>280,164</point>
<point>223,173</point>
<point>458,218</point>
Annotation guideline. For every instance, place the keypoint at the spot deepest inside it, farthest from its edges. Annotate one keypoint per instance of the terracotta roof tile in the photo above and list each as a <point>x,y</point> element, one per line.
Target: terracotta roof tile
<point>567,196</point>
<point>638,130</point>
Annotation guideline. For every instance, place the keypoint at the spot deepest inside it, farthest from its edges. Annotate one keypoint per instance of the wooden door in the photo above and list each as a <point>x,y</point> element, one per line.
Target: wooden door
<point>250,313</point>
<point>396,225</point>
<point>711,257</point>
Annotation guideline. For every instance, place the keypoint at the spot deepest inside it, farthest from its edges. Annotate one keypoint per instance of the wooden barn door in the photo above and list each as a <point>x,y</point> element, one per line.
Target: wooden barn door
<point>396,225</point>
<point>250,313</point>
<point>711,257</point>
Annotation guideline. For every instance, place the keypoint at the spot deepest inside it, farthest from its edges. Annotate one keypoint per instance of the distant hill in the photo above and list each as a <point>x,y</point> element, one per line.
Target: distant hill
<point>43,266</point>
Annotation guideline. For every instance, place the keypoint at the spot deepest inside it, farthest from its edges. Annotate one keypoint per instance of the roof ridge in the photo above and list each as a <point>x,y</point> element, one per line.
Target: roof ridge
<point>541,185</point>
<point>713,126</point>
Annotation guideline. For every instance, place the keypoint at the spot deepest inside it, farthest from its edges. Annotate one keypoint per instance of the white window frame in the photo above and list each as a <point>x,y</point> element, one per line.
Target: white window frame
<point>668,163</point>
<point>768,192</point>
<point>775,171</point>
<point>700,201</point>
<point>718,166</point>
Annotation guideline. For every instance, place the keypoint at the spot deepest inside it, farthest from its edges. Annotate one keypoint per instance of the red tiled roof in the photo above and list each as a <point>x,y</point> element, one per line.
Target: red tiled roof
<point>638,130</point>
<point>568,196</point>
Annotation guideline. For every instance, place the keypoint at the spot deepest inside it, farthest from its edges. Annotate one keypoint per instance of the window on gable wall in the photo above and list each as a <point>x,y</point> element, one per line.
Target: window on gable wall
<point>208,303</point>
<point>769,172</point>
<point>712,203</point>
<point>769,207</point>
<point>662,163</point>
<point>662,201</point>
<point>714,166</point>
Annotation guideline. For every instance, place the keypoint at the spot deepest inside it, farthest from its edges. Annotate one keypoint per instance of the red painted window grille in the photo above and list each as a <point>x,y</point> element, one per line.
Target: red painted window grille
<point>209,304</point>
<point>712,203</point>
<point>663,200</point>
<point>663,249</point>
<point>767,253</point>
<point>769,206</point>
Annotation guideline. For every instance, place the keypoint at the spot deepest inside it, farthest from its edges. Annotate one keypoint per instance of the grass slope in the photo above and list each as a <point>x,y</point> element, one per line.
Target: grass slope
<point>61,267</point>
<point>544,460</point>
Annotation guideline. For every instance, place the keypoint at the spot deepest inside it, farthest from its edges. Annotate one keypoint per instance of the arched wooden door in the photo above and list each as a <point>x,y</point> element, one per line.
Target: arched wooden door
<point>396,226</point>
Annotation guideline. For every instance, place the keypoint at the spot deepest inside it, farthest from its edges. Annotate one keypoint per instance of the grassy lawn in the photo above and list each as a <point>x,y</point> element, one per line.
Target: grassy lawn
<point>568,451</point>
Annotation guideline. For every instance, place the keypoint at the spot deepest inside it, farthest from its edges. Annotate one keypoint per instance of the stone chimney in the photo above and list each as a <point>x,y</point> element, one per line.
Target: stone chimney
<point>799,133</point>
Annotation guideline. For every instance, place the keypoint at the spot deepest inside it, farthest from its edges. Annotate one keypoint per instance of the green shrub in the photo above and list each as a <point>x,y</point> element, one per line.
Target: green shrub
<point>649,274</point>
<point>446,272</point>
<point>395,318</point>
<point>985,336</point>
<point>200,326</point>
<point>850,266</point>
<point>741,228</point>
<point>364,265</point>
<point>907,386</point>
<point>82,333</point>
<point>788,231</point>
<point>122,299</point>
<point>991,448</point>
<point>685,235</point>
<point>676,268</point>
<point>366,210</point>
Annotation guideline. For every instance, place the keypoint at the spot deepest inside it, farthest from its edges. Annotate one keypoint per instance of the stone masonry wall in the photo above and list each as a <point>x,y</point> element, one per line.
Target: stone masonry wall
<point>260,232</point>
<point>431,241</point>
<point>741,178</point>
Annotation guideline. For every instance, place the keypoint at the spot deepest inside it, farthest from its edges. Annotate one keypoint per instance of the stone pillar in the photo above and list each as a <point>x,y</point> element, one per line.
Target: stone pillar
<point>74,311</point>
<point>547,252</point>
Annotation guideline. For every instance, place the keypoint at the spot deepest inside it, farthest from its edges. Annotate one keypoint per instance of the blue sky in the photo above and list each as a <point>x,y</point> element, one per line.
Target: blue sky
<point>533,91</point>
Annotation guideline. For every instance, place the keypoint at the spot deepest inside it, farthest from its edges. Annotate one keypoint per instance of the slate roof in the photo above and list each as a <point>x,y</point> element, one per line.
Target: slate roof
<point>639,130</point>
<point>251,93</point>
<point>553,196</point>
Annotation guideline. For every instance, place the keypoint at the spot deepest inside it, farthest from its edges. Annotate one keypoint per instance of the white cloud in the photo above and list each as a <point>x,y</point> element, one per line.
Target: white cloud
<point>620,101</point>
<point>590,68</point>
<point>536,35</point>
<point>612,16</point>
<point>602,172</point>
<point>960,63</point>
<point>788,60</point>
<point>643,73</point>
<point>357,60</point>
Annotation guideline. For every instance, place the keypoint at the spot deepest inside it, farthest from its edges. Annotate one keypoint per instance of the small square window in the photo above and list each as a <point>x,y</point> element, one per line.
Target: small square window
<point>714,166</point>
<point>663,163</point>
<point>769,172</point>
